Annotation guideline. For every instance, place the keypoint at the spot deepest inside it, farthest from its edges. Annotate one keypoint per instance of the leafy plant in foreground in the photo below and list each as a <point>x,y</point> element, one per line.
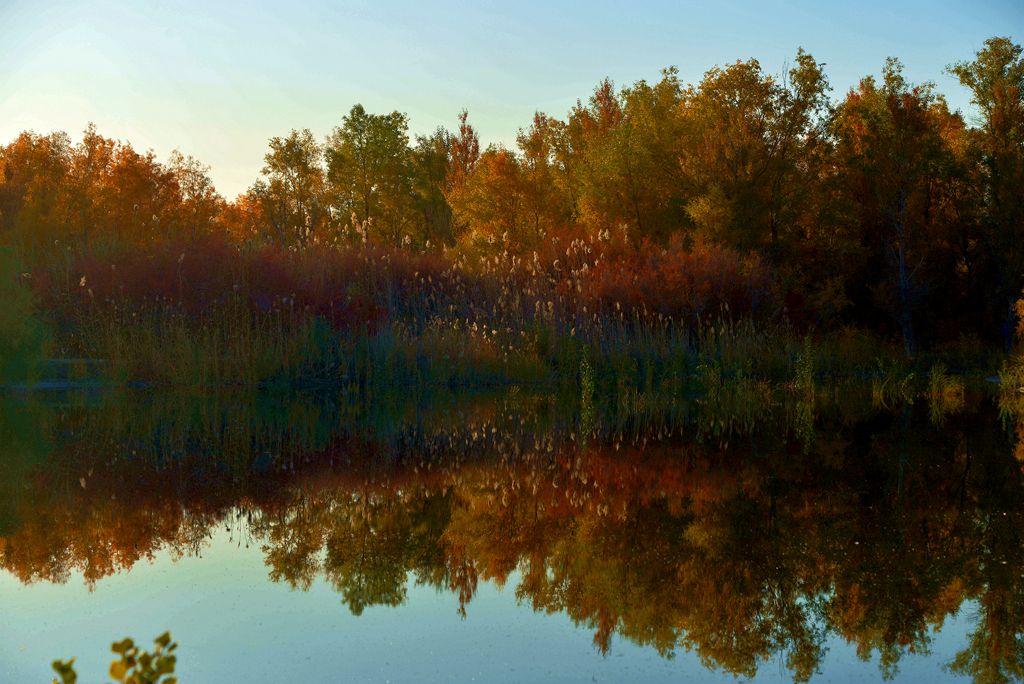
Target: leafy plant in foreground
<point>134,666</point>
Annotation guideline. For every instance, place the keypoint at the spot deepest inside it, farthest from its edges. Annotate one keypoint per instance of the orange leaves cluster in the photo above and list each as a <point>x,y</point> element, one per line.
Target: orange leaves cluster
<point>679,283</point>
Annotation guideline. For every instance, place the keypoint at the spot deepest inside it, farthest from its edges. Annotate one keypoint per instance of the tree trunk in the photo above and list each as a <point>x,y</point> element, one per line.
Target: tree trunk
<point>903,284</point>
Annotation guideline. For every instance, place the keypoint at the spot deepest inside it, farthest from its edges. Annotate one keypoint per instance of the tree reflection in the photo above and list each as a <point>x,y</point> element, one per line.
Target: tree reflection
<point>756,540</point>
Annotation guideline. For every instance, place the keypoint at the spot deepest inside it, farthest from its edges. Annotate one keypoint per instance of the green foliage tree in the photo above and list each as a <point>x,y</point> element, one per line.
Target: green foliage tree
<point>292,192</point>
<point>544,183</point>
<point>621,152</point>
<point>369,169</point>
<point>431,162</point>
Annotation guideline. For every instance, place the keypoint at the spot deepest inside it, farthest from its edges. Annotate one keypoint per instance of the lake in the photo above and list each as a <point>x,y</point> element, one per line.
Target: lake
<point>514,535</point>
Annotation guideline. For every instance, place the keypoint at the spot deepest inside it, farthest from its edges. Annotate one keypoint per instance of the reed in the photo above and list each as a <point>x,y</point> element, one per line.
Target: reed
<point>359,315</point>
<point>23,334</point>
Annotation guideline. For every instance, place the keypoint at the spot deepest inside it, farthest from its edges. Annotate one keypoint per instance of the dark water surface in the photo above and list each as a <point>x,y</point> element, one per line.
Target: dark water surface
<point>514,536</point>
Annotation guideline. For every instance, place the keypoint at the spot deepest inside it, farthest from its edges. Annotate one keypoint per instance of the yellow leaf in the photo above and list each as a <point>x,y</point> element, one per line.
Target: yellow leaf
<point>118,670</point>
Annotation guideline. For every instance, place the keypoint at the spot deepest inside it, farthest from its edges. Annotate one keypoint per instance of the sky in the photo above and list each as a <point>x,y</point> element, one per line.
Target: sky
<point>217,79</point>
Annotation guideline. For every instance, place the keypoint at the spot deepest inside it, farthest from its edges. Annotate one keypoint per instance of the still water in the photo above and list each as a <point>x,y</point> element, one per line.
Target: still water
<point>512,536</point>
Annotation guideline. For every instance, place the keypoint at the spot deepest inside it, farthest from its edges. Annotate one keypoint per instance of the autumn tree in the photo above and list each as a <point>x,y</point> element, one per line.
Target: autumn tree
<point>89,170</point>
<point>463,155</point>
<point>98,191</point>
<point>621,151</point>
<point>201,205</point>
<point>139,198</point>
<point>892,153</point>
<point>490,203</point>
<point>33,179</point>
<point>996,80</point>
<point>752,152</point>
<point>544,183</point>
<point>487,193</point>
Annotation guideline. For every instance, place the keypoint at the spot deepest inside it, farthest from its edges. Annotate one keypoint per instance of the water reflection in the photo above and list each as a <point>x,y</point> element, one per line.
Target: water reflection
<point>742,531</point>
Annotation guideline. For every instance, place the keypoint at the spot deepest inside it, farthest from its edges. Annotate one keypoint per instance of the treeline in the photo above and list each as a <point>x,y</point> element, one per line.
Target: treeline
<point>884,210</point>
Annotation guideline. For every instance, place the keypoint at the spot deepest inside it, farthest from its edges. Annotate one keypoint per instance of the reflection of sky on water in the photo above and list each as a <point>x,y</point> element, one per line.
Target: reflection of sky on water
<point>234,624</point>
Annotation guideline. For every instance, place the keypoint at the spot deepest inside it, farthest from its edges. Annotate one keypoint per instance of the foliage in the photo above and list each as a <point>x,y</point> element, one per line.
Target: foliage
<point>134,665</point>
<point>640,224</point>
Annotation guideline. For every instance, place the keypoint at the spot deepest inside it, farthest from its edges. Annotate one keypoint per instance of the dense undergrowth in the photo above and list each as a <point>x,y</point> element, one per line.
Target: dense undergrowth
<point>663,319</point>
<point>22,333</point>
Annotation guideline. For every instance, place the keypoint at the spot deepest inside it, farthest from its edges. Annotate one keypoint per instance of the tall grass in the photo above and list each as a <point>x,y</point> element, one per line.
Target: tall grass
<point>23,335</point>
<point>209,313</point>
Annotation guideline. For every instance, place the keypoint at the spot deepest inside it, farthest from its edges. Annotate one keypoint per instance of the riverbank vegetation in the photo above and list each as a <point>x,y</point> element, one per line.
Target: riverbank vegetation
<point>656,233</point>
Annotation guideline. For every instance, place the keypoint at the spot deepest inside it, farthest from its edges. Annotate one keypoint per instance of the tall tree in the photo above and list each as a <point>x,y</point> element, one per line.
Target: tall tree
<point>545,197</point>
<point>996,80</point>
<point>610,152</point>
<point>200,204</point>
<point>291,193</point>
<point>431,163</point>
<point>464,153</point>
<point>33,179</point>
<point>91,164</point>
<point>892,153</point>
<point>751,151</point>
<point>490,203</point>
<point>368,166</point>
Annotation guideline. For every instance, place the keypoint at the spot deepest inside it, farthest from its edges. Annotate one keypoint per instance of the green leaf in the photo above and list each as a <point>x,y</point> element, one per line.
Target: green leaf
<point>122,647</point>
<point>66,670</point>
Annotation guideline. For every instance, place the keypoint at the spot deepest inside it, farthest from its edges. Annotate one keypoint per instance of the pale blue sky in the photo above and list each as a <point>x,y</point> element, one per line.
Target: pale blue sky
<point>216,79</point>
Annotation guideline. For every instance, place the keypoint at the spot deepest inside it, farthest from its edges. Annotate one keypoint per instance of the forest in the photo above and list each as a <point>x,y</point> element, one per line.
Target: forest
<point>742,220</point>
